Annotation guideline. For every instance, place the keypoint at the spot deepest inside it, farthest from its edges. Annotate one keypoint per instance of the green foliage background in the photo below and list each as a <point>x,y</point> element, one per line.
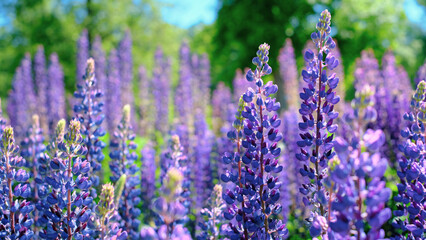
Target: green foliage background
<point>240,27</point>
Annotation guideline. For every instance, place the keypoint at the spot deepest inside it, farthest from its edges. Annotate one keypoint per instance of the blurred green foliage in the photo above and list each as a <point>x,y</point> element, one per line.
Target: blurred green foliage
<point>240,27</point>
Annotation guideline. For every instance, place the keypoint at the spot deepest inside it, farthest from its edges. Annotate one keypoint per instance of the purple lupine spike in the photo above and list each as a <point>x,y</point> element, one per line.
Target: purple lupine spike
<point>390,105</point>
<point>146,101</point>
<point>212,215</point>
<point>421,73</point>
<point>113,101</point>
<point>89,111</point>
<point>317,128</point>
<point>42,85</point>
<point>240,85</point>
<point>148,169</point>
<point>122,162</point>
<point>100,59</point>
<point>288,73</point>
<point>15,111</point>
<point>82,55</point>
<point>291,171</point>
<point>202,155</point>
<point>55,91</point>
<point>205,79</point>
<point>356,174</point>
<point>173,201</point>
<point>184,101</point>
<point>126,71</point>
<point>69,202</point>
<point>255,197</point>
<point>32,151</point>
<point>221,104</point>
<point>14,181</point>
<point>161,91</point>
<point>410,199</point>
<point>23,98</point>
<point>367,70</point>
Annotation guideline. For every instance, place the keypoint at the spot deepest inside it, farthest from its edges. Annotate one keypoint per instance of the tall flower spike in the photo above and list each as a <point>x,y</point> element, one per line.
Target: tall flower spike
<point>254,202</point>
<point>122,162</point>
<point>100,70</point>
<point>148,170</point>
<point>32,151</point>
<point>42,86</point>
<point>146,104</point>
<point>357,174</point>
<point>89,113</point>
<point>161,91</point>
<point>173,201</point>
<point>317,110</point>
<point>126,72</point>
<point>212,215</point>
<point>15,222</point>
<point>55,92</point>
<point>288,73</point>
<point>113,102</point>
<point>69,200</point>
<point>82,54</point>
<point>410,200</point>
<point>105,210</point>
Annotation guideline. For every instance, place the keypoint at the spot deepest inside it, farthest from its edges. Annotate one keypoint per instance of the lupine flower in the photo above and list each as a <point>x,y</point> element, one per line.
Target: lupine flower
<point>161,91</point>
<point>184,99</point>
<point>317,110</point>
<point>42,85</point>
<point>22,99</point>
<point>146,104</point>
<point>89,113</point>
<point>32,151</point>
<point>55,92</point>
<point>106,209</point>
<point>113,101</point>
<point>410,199</point>
<point>82,54</point>
<point>172,204</point>
<point>288,73</point>
<point>69,200</point>
<point>212,216</point>
<point>205,80</point>
<point>100,60</point>
<point>361,195</point>
<point>126,72</point>
<point>148,169</point>
<point>421,73</point>
<point>254,201</point>
<point>122,162</point>
<point>202,169</point>
<point>291,171</point>
<point>15,222</point>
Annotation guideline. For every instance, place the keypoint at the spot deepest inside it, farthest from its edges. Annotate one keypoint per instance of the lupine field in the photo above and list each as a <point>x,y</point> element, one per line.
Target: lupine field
<point>158,160</point>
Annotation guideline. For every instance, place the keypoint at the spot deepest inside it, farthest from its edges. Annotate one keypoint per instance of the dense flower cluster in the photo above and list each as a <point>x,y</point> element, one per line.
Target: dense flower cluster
<point>14,212</point>
<point>360,193</point>
<point>317,109</point>
<point>214,165</point>
<point>254,200</point>
<point>122,162</point>
<point>89,113</point>
<point>412,172</point>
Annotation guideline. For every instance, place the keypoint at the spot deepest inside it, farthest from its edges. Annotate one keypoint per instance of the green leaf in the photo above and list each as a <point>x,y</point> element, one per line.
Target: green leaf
<point>118,189</point>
